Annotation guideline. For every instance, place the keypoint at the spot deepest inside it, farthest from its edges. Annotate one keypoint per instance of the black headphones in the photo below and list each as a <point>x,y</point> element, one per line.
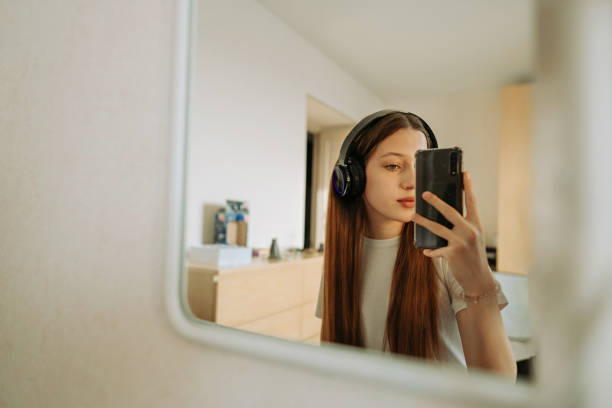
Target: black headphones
<point>349,174</point>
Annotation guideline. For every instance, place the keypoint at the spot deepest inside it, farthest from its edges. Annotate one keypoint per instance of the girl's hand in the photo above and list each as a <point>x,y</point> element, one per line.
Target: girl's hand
<point>466,251</point>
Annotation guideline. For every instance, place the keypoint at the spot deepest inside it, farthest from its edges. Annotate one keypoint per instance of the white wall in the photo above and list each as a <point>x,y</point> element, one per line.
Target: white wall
<point>248,133</point>
<point>85,102</point>
<point>469,119</point>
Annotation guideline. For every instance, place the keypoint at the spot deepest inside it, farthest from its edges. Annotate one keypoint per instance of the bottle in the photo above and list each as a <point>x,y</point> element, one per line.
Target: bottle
<point>274,251</point>
<point>241,230</point>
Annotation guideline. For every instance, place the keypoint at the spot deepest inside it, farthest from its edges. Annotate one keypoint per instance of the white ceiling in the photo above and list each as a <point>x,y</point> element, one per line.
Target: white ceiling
<point>399,48</point>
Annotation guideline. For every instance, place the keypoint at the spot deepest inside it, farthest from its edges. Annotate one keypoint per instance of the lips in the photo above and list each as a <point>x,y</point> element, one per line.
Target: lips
<point>406,202</point>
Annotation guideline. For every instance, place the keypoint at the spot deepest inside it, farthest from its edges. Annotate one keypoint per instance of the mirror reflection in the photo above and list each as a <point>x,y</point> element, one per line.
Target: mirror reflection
<point>275,247</point>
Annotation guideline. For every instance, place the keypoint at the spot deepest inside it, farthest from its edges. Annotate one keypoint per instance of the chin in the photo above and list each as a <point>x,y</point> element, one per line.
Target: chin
<point>405,216</point>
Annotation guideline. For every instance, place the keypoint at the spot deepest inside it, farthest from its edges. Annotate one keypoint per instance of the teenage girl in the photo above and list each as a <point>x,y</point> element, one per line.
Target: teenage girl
<point>378,290</point>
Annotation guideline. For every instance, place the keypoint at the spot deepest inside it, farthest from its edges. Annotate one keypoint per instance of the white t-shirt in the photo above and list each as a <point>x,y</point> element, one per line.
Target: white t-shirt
<point>378,262</point>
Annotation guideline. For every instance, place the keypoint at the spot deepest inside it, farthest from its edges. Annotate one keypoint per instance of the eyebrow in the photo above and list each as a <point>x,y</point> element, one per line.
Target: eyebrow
<point>393,154</point>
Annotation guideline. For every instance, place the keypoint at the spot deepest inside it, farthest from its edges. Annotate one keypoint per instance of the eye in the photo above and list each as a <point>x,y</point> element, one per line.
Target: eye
<point>392,166</point>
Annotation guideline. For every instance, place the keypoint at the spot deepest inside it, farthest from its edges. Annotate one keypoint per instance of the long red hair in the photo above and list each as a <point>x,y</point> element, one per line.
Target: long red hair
<point>412,316</point>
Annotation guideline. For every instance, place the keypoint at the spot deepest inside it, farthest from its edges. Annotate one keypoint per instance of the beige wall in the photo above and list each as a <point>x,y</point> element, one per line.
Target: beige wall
<point>85,102</point>
<point>515,174</point>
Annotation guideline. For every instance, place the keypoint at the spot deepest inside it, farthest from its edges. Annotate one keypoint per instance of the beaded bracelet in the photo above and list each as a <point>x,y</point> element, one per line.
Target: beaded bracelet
<point>475,299</point>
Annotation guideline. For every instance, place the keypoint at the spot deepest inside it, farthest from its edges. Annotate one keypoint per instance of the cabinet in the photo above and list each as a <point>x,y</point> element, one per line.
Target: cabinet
<point>515,172</point>
<point>276,298</point>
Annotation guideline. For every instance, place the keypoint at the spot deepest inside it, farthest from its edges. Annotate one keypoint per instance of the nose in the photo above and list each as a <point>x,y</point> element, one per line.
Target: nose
<point>408,179</point>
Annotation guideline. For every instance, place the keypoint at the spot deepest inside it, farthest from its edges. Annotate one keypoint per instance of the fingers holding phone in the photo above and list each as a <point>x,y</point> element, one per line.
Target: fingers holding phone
<point>465,251</point>
<point>470,202</point>
<point>465,232</point>
<point>438,171</point>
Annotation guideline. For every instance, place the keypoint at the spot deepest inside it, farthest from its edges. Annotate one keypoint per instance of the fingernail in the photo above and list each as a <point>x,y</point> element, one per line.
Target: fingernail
<point>427,194</point>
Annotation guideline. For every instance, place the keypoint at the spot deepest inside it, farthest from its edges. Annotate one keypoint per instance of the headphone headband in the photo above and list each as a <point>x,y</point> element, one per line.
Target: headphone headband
<point>365,122</point>
<point>348,177</point>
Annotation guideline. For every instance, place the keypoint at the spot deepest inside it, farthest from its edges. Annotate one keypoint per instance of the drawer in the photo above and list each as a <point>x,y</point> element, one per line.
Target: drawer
<point>258,293</point>
<point>313,271</point>
<point>311,325</point>
<point>315,340</point>
<point>285,325</point>
<point>201,290</point>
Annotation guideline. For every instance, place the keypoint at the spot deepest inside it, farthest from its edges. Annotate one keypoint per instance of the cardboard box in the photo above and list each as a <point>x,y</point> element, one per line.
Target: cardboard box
<point>236,233</point>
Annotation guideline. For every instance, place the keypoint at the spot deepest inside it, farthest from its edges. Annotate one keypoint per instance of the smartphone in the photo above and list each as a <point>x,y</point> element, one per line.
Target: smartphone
<point>439,171</point>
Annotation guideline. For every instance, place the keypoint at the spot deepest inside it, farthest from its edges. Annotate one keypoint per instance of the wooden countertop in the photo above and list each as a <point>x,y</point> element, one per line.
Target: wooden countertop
<point>256,263</point>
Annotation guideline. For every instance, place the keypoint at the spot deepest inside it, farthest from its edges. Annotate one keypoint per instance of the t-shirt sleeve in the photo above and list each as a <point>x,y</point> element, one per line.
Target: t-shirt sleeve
<point>319,309</point>
<point>455,289</point>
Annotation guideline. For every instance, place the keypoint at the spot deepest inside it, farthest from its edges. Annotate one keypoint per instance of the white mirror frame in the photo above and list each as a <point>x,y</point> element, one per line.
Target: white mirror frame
<point>475,388</point>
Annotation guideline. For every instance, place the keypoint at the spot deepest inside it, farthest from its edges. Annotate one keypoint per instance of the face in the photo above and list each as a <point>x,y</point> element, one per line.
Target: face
<point>390,182</point>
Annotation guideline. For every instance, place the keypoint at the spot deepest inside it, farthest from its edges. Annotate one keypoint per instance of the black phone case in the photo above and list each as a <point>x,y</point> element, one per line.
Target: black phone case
<point>433,173</point>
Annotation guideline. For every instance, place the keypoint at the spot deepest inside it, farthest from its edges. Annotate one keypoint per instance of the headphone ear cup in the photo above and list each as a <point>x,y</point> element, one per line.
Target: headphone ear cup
<point>357,178</point>
<point>341,180</point>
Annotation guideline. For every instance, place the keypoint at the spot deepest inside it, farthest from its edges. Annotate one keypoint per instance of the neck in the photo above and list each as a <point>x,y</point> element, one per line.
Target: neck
<point>385,230</point>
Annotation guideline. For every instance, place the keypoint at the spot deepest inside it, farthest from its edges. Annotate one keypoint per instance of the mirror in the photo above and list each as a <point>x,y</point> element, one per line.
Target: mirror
<point>275,88</point>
